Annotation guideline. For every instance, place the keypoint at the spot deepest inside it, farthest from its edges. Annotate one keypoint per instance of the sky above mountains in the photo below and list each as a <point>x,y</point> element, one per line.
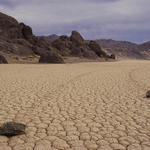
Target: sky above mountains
<point>94,19</point>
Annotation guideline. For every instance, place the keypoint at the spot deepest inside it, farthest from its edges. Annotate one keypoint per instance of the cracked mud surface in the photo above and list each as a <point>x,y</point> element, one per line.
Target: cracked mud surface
<point>85,106</point>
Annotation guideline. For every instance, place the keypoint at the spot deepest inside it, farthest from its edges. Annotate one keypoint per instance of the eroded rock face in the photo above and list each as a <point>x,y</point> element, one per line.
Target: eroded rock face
<point>51,57</point>
<point>3,60</point>
<point>12,128</point>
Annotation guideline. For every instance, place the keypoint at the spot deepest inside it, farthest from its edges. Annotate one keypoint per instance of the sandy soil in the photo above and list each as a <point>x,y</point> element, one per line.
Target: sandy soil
<point>84,106</point>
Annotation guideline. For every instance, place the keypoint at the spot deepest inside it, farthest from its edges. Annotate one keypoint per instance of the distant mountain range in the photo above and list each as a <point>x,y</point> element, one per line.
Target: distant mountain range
<point>125,49</point>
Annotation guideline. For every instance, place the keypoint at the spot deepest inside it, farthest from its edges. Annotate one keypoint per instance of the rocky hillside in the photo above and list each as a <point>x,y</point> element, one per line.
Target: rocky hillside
<point>124,49</point>
<point>19,44</point>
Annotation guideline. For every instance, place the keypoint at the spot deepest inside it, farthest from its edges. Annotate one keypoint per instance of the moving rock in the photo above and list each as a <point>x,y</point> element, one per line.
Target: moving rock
<point>10,129</point>
<point>148,94</point>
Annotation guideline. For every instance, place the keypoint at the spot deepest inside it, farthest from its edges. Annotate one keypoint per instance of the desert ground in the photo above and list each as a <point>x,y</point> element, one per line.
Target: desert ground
<point>82,106</point>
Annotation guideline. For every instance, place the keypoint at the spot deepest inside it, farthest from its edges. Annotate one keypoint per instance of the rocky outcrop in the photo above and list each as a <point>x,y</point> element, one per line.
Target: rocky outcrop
<point>3,60</point>
<point>51,57</point>
<point>76,46</point>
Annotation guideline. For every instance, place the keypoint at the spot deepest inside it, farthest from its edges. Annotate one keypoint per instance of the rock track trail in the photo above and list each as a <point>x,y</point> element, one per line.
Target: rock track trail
<point>84,106</point>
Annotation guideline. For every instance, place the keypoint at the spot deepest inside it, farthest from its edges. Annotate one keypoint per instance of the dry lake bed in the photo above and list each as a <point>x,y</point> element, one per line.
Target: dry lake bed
<point>84,106</point>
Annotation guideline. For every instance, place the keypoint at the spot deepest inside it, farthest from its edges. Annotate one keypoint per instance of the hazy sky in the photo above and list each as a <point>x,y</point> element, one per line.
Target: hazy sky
<point>94,19</point>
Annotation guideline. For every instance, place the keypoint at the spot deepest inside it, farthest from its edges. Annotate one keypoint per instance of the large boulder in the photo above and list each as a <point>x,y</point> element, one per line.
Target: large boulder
<point>51,57</point>
<point>12,128</point>
<point>76,38</point>
<point>3,60</point>
<point>94,46</point>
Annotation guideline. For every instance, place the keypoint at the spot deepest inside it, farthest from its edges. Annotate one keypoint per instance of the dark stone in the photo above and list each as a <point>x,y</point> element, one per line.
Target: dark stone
<point>51,57</point>
<point>3,60</point>
<point>10,129</point>
<point>148,94</point>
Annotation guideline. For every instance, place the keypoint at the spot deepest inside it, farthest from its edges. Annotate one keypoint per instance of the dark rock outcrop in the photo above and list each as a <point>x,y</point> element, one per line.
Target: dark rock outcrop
<point>10,129</point>
<point>3,60</point>
<point>51,57</point>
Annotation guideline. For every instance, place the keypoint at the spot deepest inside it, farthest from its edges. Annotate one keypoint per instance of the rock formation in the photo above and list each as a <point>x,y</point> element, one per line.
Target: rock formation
<point>18,39</point>
<point>76,46</point>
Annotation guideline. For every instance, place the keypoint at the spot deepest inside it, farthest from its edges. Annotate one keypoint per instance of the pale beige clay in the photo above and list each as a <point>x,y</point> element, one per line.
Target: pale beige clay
<point>84,106</point>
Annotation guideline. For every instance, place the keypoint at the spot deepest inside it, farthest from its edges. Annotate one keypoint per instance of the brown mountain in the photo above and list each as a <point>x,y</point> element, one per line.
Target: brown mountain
<point>124,49</point>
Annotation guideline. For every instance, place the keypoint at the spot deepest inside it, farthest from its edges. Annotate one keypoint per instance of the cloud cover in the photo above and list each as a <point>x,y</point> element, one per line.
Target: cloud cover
<point>95,19</point>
